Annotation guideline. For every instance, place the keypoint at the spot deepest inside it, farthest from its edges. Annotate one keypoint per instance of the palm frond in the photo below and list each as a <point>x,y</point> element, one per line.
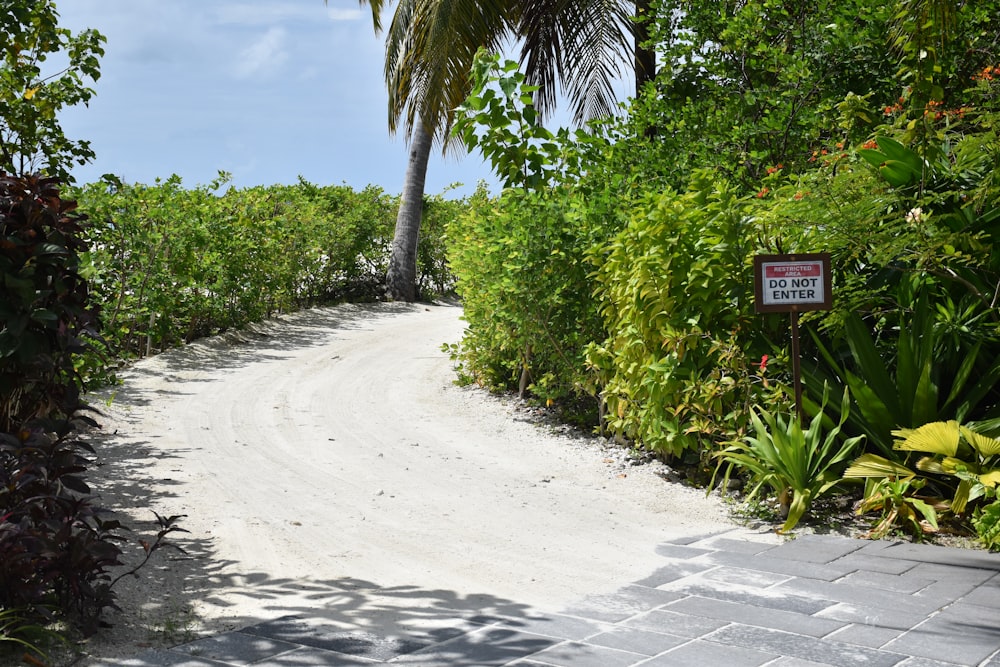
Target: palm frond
<point>430,47</point>
<point>579,47</point>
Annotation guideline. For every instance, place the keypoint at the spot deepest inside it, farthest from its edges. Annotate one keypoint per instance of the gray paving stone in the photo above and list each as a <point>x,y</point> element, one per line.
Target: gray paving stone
<point>956,573</point>
<point>680,551</point>
<point>557,626</point>
<point>796,662</point>
<point>308,656</point>
<point>645,642</point>
<point>871,636</point>
<point>703,654</point>
<point>803,647</point>
<point>160,658</point>
<point>627,602</point>
<point>482,648</point>
<point>745,577</point>
<point>752,615</point>
<point>770,562</point>
<point>332,638</point>
<point>673,572</point>
<point>986,595</point>
<point>859,560</point>
<point>932,553</point>
<point>296,630</point>
<point>237,648</point>
<point>822,549</point>
<point>926,662</point>
<point>673,623</point>
<point>778,597</point>
<point>572,654</point>
<point>895,619</point>
<point>963,633</point>
<point>888,582</point>
<point>691,539</point>
<point>862,596</point>
<point>749,547</point>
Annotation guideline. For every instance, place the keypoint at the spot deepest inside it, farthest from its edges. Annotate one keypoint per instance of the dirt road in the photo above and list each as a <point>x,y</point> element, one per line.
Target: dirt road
<point>330,451</point>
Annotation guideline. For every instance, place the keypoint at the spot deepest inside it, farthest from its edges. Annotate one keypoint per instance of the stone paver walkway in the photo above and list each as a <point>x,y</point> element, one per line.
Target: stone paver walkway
<point>816,600</point>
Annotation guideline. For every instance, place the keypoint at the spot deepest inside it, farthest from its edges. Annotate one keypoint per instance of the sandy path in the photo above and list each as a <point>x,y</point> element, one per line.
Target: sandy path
<point>331,451</point>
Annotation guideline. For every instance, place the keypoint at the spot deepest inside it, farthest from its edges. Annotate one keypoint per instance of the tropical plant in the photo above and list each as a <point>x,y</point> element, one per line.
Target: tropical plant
<point>56,547</point>
<point>956,456</point>
<point>45,313</point>
<point>18,633</point>
<point>987,524</point>
<point>914,379</point>
<point>429,54</point>
<point>675,289</point>
<point>896,498</point>
<point>33,91</point>
<point>799,465</point>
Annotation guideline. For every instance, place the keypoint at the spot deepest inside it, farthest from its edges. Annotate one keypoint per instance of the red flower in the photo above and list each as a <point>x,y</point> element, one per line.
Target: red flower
<point>763,363</point>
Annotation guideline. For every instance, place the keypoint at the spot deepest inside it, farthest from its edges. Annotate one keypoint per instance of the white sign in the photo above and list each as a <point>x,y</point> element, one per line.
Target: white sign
<point>790,283</point>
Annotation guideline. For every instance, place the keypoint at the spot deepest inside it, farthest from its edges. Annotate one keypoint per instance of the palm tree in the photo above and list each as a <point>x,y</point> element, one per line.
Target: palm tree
<point>576,45</point>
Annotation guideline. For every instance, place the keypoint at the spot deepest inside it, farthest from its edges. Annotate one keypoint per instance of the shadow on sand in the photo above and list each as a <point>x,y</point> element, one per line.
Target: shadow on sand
<point>354,617</point>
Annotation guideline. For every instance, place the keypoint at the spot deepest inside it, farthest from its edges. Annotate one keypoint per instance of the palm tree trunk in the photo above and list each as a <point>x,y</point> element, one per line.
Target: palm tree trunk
<point>645,55</point>
<point>401,278</point>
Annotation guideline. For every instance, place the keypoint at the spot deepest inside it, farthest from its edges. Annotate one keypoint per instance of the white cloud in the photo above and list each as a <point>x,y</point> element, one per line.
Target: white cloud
<point>265,56</point>
<point>342,14</point>
<point>270,13</point>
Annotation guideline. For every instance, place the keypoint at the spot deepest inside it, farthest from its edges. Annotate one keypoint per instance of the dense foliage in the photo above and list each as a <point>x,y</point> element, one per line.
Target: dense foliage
<point>867,132</point>
<point>43,68</point>
<point>55,549</point>
<point>170,264</point>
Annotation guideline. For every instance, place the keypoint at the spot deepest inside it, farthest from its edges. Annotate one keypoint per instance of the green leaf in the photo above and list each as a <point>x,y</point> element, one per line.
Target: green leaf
<point>898,174</point>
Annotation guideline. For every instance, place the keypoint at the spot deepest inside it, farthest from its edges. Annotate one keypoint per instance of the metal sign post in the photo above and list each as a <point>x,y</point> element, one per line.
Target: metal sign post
<point>793,284</point>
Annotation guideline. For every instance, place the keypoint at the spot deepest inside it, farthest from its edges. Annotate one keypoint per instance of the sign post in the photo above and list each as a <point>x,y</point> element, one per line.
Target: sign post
<point>793,283</point>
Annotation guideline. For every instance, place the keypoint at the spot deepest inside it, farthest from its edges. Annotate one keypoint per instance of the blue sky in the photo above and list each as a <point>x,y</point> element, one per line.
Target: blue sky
<point>265,89</point>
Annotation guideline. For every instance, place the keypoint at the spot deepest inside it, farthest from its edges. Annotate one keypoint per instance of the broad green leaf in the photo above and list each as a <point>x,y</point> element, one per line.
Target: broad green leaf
<point>897,152</point>
<point>898,174</point>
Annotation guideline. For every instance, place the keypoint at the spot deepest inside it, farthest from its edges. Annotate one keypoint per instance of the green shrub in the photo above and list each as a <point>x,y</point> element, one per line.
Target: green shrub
<point>170,264</point>
<point>55,550</point>
<point>679,370</point>
<point>523,277</point>
<point>799,465</point>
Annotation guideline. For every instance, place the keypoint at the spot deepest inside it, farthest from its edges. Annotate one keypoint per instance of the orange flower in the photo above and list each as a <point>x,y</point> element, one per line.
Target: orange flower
<point>763,193</point>
<point>987,74</point>
<point>871,144</point>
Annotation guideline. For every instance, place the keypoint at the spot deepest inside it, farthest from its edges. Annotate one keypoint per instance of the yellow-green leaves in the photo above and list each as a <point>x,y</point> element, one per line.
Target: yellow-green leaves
<point>31,137</point>
<point>935,437</point>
